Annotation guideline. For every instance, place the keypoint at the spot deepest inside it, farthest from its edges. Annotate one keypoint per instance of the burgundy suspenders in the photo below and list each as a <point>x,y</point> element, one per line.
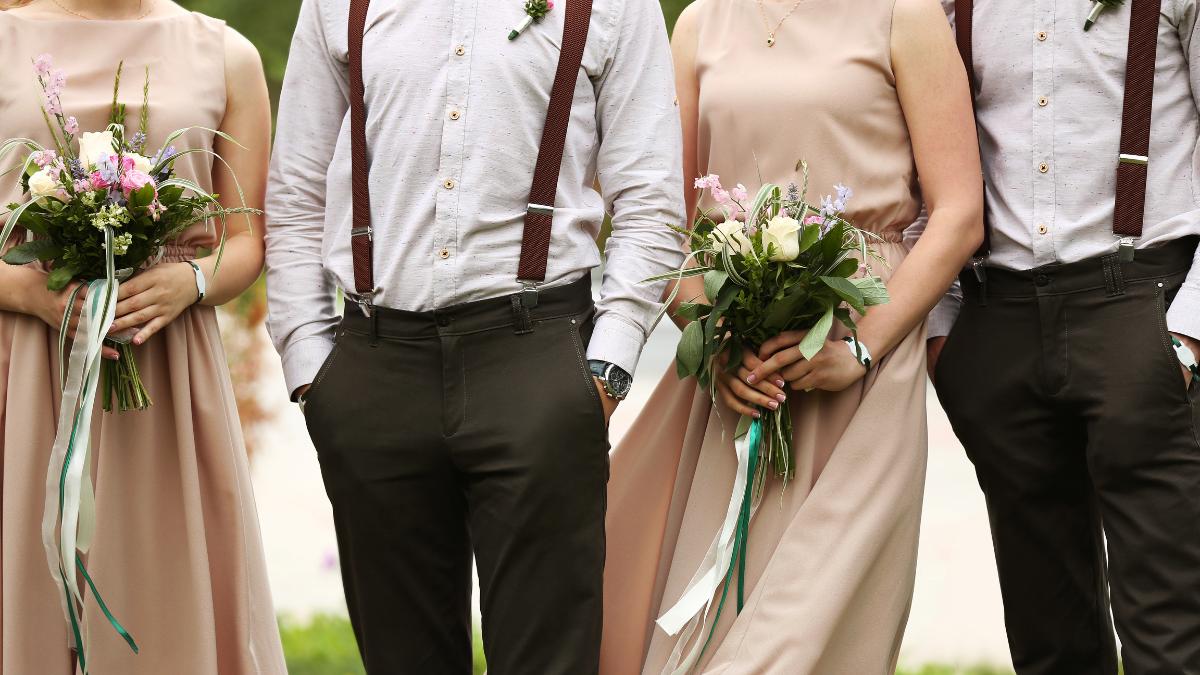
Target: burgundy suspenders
<point>1135,121</point>
<point>539,216</point>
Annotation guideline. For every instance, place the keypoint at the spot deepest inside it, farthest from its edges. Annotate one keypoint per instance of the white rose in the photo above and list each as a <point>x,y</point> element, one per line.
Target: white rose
<point>140,163</point>
<point>94,147</point>
<point>731,236</point>
<point>782,235</point>
<point>42,184</point>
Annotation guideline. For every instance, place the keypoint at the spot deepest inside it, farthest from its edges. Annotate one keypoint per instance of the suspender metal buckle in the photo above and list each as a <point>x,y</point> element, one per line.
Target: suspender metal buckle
<point>977,265</point>
<point>367,232</point>
<point>365,301</point>
<point>540,209</point>
<point>1126,249</point>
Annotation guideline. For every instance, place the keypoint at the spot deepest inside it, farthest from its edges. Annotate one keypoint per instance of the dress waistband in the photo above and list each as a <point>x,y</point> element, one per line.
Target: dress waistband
<point>473,317</point>
<point>1106,272</point>
<point>176,253</point>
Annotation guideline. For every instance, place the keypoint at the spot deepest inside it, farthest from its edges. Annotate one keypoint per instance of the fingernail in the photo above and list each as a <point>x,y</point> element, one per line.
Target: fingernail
<point>752,379</point>
<point>774,405</point>
<point>757,415</point>
<point>780,383</point>
<point>782,397</point>
<point>138,340</point>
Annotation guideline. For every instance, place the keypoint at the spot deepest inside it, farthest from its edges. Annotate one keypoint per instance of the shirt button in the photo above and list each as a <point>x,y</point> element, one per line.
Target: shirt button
<point>444,253</point>
<point>1042,229</point>
<point>460,50</point>
<point>449,184</point>
<point>1043,101</point>
<point>1041,280</point>
<point>1044,167</point>
<point>454,114</point>
<point>1042,35</point>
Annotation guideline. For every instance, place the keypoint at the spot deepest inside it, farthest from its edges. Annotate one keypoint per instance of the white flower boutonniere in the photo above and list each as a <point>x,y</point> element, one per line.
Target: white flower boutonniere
<point>1098,7</point>
<point>535,10</point>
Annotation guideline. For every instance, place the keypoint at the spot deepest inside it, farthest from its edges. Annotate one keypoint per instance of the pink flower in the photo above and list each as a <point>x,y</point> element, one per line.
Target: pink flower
<point>72,126</point>
<point>720,196</point>
<point>156,209</point>
<point>814,220</point>
<point>133,180</point>
<point>44,158</point>
<point>43,64</point>
<point>709,182</point>
<point>739,193</point>
<point>82,186</point>
<point>549,4</point>
<point>98,182</point>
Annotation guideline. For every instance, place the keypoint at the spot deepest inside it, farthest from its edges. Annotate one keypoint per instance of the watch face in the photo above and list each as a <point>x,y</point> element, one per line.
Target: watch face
<point>619,382</point>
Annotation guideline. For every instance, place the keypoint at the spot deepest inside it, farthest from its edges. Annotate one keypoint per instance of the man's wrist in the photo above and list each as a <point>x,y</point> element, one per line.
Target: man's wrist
<point>613,380</point>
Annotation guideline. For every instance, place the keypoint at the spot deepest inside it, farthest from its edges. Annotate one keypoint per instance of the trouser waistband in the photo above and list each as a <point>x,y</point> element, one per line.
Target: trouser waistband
<point>519,312</point>
<point>1107,272</point>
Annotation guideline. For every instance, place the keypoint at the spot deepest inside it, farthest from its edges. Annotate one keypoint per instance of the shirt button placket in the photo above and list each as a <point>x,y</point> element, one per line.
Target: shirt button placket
<point>451,151</point>
<point>1042,215</point>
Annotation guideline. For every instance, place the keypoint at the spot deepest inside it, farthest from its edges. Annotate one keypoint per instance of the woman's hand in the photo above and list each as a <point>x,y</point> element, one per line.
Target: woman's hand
<point>154,299</point>
<point>834,368</point>
<point>51,307</point>
<point>740,396</point>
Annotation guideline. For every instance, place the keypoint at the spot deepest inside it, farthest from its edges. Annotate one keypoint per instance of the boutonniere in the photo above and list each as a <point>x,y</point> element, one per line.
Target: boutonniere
<point>1098,7</point>
<point>535,10</point>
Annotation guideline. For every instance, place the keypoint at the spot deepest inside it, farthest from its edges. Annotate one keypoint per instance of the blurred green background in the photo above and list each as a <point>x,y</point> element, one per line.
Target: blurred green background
<point>324,645</point>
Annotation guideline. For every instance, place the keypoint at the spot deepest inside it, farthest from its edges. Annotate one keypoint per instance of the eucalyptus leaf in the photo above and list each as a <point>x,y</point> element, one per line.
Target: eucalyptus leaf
<point>874,291</point>
<point>693,311</point>
<point>815,339</point>
<point>714,281</point>
<point>691,349</point>
<point>60,277</point>
<point>39,249</point>
<point>848,291</point>
<point>810,235</point>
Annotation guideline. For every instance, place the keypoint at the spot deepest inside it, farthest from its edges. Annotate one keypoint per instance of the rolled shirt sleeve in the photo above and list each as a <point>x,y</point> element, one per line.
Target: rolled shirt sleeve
<point>641,178</point>
<point>303,315</point>
<point>1184,315</point>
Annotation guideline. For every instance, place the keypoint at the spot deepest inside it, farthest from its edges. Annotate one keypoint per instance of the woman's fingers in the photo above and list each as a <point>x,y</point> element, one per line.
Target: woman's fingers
<point>134,286</point>
<point>780,342</point>
<point>798,370</point>
<point>776,363</point>
<point>751,395</point>
<point>769,387</point>
<point>735,404</point>
<point>750,362</point>
<point>134,303</point>
<point>149,330</point>
<point>137,318</point>
<point>110,354</point>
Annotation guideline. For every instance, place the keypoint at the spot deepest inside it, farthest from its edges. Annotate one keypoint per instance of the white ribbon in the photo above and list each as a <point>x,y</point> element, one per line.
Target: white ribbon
<point>68,521</point>
<point>691,611</point>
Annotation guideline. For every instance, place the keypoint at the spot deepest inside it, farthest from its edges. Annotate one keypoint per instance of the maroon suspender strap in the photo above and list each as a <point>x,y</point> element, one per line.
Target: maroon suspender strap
<point>1135,121</point>
<point>964,34</point>
<point>361,235</point>
<point>539,214</point>
<point>539,217</point>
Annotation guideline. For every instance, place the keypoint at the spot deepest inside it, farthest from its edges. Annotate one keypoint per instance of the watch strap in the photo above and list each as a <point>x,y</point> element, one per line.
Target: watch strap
<point>1185,355</point>
<point>859,350</point>
<point>201,284</point>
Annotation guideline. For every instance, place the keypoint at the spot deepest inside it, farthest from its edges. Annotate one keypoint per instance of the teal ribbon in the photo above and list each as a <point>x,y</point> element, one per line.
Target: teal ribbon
<point>741,536</point>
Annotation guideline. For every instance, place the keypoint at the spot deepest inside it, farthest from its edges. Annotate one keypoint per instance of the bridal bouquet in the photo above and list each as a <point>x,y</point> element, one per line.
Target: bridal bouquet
<point>101,207</point>
<point>772,264</point>
<point>98,208</point>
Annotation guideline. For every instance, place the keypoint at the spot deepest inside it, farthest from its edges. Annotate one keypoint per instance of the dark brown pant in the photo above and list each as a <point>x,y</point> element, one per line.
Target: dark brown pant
<point>1064,389</point>
<point>448,433</point>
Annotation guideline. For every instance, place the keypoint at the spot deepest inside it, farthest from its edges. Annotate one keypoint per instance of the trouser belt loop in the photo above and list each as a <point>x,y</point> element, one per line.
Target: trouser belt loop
<point>522,304</point>
<point>1114,275</point>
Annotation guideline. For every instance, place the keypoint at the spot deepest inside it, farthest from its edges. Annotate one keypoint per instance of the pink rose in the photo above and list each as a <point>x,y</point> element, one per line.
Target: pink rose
<point>98,182</point>
<point>133,180</point>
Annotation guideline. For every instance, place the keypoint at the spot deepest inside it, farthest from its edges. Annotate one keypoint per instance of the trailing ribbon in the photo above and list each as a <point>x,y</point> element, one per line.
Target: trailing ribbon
<point>68,521</point>
<point>726,554</point>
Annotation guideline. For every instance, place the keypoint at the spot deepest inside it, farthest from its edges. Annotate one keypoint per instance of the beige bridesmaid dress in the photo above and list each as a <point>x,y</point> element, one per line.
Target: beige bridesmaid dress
<point>177,555</point>
<point>832,558</point>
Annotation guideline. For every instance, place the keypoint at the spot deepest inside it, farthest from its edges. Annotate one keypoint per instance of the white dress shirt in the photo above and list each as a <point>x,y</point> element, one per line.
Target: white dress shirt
<point>455,113</point>
<point>1049,110</point>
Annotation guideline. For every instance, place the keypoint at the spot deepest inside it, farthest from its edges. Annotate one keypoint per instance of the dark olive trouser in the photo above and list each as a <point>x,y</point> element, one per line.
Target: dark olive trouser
<point>1064,389</point>
<point>449,433</point>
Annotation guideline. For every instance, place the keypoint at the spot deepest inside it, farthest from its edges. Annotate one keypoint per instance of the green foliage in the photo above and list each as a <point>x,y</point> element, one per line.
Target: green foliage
<point>326,646</point>
<point>955,670</point>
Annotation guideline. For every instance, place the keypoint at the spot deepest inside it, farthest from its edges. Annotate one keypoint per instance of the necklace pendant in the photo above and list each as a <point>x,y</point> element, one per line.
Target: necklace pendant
<point>770,42</point>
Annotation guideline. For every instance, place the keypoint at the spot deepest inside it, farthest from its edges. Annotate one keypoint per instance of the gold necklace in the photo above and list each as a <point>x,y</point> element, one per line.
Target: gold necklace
<point>141,15</point>
<point>767,22</point>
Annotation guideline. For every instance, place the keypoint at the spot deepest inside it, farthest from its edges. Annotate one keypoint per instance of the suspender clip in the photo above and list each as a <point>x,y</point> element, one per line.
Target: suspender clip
<point>365,301</point>
<point>529,295</point>
<point>522,304</point>
<point>1126,249</point>
<point>980,270</point>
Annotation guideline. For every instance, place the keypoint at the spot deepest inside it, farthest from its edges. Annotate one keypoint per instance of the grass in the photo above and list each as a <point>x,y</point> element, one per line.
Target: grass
<point>325,646</point>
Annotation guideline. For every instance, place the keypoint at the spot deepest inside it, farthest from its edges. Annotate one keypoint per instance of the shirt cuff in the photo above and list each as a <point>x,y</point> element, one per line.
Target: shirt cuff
<point>303,360</point>
<point>1184,315</point>
<point>941,319</point>
<point>616,341</point>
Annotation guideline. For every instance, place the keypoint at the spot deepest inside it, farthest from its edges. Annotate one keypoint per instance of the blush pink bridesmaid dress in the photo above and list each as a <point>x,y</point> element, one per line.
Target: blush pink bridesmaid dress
<point>177,553</point>
<point>832,559</point>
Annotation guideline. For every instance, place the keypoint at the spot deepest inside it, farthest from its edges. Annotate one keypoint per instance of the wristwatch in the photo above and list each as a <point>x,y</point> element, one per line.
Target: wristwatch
<point>200,283</point>
<point>616,381</point>
<point>1186,357</point>
<point>859,350</point>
